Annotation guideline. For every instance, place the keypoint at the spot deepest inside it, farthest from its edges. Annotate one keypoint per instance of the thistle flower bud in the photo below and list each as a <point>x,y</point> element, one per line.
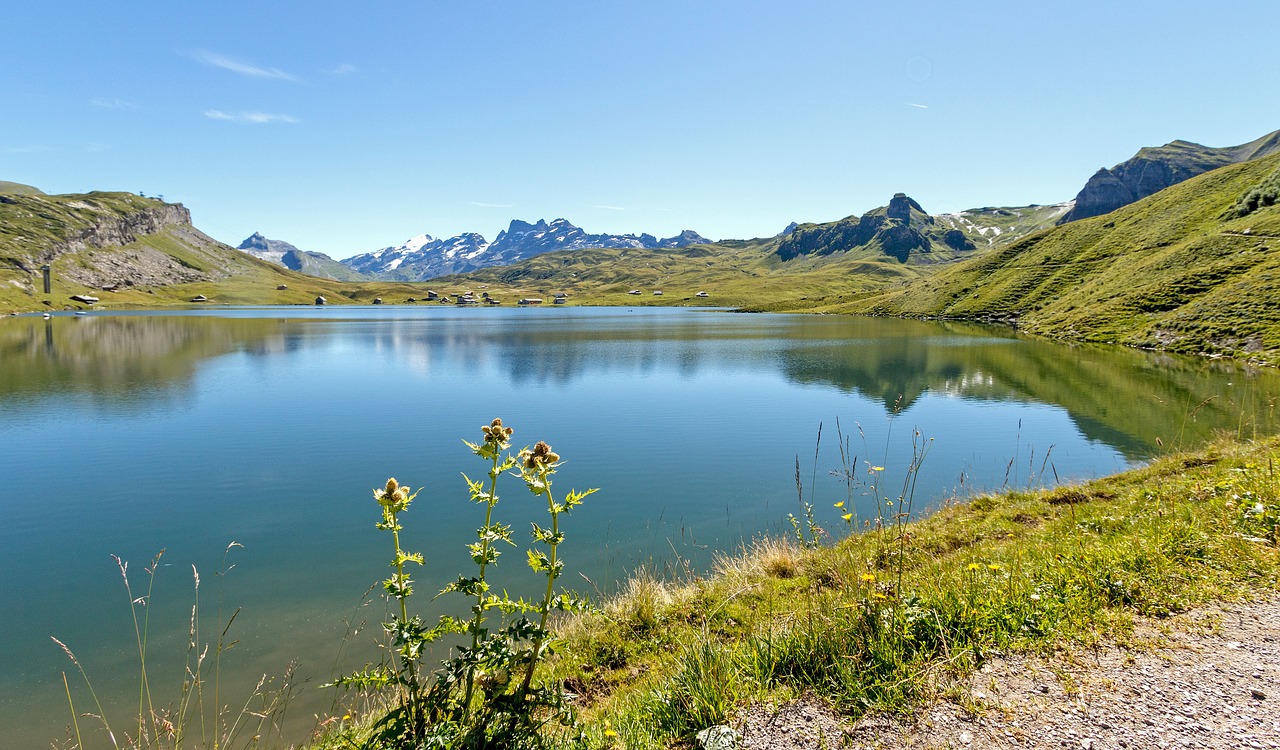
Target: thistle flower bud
<point>540,456</point>
<point>494,432</point>
<point>392,484</point>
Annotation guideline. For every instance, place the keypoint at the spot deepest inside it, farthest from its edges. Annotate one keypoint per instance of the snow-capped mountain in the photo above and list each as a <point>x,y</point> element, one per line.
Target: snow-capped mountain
<point>423,257</point>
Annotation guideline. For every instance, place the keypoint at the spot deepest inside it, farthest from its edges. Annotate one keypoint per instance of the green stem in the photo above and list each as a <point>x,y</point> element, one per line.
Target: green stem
<point>551,582</point>
<point>409,665</point>
<point>478,619</point>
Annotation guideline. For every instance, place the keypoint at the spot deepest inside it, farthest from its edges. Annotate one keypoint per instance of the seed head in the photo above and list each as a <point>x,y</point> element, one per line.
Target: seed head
<point>540,457</point>
<point>494,432</point>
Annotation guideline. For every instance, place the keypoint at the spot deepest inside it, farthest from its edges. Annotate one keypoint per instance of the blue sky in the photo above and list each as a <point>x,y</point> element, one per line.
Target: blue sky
<point>345,127</point>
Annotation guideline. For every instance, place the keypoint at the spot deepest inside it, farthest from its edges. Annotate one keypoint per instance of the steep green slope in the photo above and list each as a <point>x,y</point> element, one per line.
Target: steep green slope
<point>1180,270</point>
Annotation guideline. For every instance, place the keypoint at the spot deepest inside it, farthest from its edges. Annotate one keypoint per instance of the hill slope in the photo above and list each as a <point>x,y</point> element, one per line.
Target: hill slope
<point>1180,270</point>
<point>1154,169</point>
<point>17,188</point>
<point>133,251</point>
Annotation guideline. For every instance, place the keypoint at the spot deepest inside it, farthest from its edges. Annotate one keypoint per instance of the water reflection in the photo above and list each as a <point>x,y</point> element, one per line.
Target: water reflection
<point>1134,401</point>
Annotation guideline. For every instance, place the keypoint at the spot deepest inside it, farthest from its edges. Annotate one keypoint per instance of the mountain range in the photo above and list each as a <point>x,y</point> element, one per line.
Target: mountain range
<point>283,254</point>
<point>424,257</point>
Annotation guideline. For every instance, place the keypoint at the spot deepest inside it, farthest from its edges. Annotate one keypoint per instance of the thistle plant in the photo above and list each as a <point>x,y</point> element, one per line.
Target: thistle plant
<point>473,700</point>
<point>408,634</point>
<point>537,466</point>
<point>497,439</point>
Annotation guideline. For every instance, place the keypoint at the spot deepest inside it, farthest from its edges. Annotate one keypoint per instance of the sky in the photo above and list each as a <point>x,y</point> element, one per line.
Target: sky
<point>344,127</point>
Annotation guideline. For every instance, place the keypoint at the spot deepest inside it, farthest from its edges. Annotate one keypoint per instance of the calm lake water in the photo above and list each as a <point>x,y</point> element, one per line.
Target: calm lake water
<point>127,434</point>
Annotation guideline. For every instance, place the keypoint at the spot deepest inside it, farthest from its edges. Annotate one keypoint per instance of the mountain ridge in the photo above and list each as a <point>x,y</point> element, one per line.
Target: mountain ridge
<point>1155,168</point>
<point>288,256</point>
<point>424,257</point>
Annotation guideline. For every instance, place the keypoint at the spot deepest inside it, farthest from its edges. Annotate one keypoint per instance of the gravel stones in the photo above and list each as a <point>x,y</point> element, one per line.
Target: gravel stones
<point>1203,683</point>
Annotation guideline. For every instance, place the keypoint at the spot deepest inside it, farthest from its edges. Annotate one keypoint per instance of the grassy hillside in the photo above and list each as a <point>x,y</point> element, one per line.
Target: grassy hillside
<point>1180,270</point>
<point>131,251</point>
<point>992,226</point>
<point>744,274</point>
<point>17,188</point>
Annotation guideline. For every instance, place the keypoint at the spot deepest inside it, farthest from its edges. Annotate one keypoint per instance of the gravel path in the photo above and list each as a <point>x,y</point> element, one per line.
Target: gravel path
<point>1210,679</point>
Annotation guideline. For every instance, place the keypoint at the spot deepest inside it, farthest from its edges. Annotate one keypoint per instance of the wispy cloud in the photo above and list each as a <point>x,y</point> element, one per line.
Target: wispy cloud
<point>253,118</point>
<point>105,103</point>
<point>612,208</point>
<point>342,69</point>
<point>917,106</point>
<point>241,67</point>
<point>482,204</point>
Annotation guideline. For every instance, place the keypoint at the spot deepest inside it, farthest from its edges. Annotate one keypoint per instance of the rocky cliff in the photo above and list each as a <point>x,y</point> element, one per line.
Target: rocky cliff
<point>1154,169</point>
<point>105,240</point>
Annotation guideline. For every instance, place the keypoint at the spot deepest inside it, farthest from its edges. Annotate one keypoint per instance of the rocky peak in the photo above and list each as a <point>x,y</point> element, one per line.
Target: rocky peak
<point>900,208</point>
<point>687,237</point>
<point>254,241</point>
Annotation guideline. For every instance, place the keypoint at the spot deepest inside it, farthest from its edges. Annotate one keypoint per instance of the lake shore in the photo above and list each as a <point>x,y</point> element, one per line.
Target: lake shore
<point>1012,619</point>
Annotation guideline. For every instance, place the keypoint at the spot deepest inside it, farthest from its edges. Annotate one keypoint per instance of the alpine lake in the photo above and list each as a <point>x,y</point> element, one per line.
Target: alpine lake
<point>245,444</point>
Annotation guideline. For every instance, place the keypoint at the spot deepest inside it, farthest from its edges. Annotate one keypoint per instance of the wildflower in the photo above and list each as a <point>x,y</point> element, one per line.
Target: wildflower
<point>840,504</point>
<point>394,497</point>
<point>868,578</point>
<point>608,729</point>
<point>876,468</point>
<point>495,433</point>
<point>847,516</point>
<point>540,457</point>
<point>880,595</point>
<point>993,566</point>
<point>974,566</point>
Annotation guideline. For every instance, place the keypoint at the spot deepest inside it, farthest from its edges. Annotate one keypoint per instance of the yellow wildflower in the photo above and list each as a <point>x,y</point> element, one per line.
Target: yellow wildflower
<point>868,578</point>
<point>974,566</point>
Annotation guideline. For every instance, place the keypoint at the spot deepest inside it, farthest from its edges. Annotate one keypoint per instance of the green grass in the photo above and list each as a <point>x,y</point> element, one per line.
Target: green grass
<point>17,188</point>
<point>1180,270</point>
<point>886,619</point>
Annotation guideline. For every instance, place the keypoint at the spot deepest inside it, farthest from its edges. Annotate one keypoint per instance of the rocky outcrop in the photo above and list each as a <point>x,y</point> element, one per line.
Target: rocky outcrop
<point>1154,169</point>
<point>109,240</point>
<point>115,231</point>
<point>898,230</point>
